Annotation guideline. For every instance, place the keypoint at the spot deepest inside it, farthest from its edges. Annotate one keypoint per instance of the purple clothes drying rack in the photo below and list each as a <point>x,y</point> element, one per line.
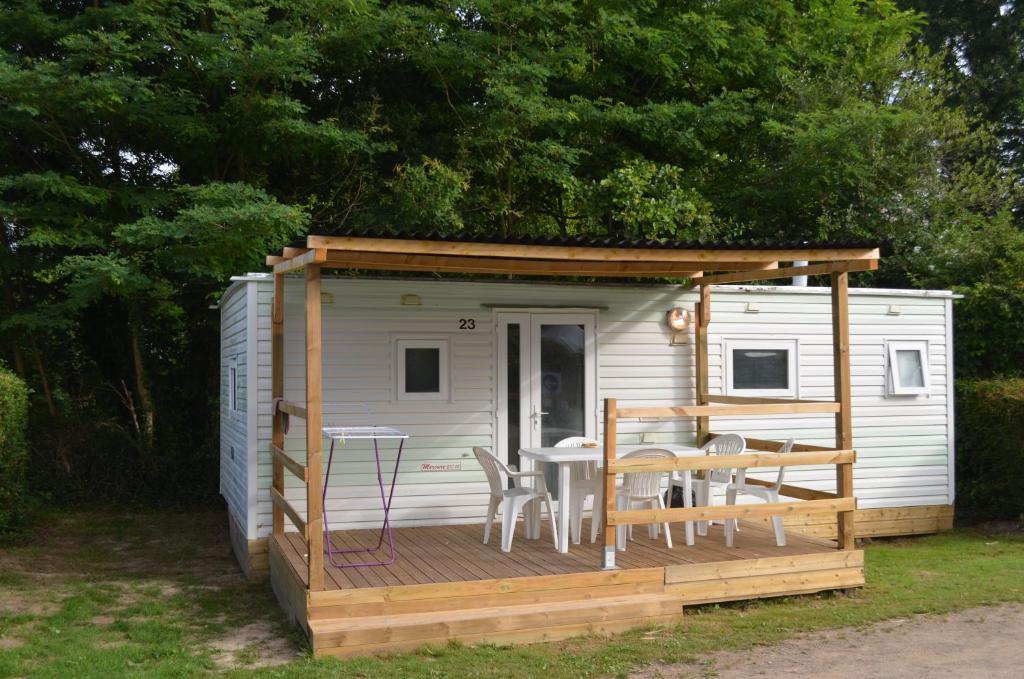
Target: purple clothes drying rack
<point>375,434</point>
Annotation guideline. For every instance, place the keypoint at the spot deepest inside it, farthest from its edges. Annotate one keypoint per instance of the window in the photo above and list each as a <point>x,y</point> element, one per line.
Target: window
<point>422,369</point>
<point>233,385</point>
<point>761,368</point>
<point>907,368</point>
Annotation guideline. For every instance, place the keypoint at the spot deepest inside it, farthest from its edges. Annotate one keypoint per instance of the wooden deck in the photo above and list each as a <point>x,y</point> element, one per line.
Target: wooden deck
<point>446,584</point>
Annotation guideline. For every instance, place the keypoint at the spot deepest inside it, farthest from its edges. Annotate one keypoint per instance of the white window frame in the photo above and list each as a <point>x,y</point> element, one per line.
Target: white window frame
<point>444,377</point>
<point>892,373</point>
<point>233,384</point>
<point>790,345</point>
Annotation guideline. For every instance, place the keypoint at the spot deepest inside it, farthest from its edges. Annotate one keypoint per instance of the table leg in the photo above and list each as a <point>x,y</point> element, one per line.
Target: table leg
<point>563,507</point>
<point>528,465</point>
<point>688,502</point>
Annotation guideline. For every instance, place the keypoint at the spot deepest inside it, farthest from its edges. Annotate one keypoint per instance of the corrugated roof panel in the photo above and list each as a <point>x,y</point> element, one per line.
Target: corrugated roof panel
<point>597,241</point>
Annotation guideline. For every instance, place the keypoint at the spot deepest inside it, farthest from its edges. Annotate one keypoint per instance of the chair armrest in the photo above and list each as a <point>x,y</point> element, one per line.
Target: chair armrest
<point>521,474</point>
<point>517,478</point>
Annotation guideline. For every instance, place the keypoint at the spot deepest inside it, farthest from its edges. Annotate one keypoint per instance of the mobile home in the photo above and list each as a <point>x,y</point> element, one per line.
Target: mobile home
<point>510,364</point>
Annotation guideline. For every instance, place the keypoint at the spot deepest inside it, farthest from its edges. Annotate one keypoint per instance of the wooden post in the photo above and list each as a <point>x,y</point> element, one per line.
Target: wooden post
<point>610,433</point>
<point>314,415</point>
<point>276,392</point>
<point>844,418</point>
<point>703,317</point>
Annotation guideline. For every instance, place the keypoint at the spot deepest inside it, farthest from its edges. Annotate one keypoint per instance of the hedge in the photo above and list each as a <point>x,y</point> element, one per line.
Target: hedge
<point>990,449</point>
<point>14,497</point>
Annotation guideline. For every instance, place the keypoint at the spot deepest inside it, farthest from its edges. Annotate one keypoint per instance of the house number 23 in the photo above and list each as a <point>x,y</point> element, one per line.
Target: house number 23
<point>467,324</point>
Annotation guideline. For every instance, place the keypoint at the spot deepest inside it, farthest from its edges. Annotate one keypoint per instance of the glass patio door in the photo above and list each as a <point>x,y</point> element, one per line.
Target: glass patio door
<point>546,380</point>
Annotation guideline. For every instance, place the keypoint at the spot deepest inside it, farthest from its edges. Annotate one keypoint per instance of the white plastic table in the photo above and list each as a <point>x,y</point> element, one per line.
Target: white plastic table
<point>564,457</point>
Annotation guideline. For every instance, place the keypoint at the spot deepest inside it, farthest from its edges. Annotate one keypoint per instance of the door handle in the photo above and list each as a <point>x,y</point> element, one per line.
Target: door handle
<point>538,413</point>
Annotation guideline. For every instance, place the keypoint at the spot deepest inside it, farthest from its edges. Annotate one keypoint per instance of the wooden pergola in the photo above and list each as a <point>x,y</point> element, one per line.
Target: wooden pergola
<point>702,265</point>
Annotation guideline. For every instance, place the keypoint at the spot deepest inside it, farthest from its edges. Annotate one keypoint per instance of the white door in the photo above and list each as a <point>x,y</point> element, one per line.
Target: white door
<point>547,380</point>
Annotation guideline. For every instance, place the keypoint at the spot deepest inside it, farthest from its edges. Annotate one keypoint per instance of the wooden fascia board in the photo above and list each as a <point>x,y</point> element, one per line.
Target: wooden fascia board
<point>576,253</point>
<point>788,272</point>
<point>485,265</point>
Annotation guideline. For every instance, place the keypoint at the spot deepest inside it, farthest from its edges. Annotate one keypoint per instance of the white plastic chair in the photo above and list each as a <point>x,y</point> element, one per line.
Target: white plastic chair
<point>512,500</point>
<point>726,444</point>
<point>584,481</point>
<point>766,493</point>
<point>643,488</point>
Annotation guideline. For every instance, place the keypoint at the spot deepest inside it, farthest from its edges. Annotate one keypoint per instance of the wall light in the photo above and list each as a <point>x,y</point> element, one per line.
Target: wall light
<point>411,300</point>
<point>678,321</point>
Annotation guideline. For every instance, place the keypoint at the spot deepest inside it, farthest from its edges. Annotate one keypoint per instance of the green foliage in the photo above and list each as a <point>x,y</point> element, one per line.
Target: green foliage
<point>14,496</point>
<point>154,149</point>
<point>990,448</point>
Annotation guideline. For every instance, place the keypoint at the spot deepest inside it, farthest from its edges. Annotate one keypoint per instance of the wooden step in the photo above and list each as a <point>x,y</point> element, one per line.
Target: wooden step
<point>496,624</point>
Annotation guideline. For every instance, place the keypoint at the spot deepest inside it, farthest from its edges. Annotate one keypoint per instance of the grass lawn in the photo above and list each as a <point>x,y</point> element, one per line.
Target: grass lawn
<point>159,595</point>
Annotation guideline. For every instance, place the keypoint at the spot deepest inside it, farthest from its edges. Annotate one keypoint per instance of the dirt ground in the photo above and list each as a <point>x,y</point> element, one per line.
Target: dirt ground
<point>180,563</point>
<point>979,642</point>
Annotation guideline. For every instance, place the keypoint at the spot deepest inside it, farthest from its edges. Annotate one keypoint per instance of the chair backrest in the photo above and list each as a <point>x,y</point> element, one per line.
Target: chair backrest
<point>584,471</point>
<point>644,484</point>
<point>726,444</point>
<point>493,468</point>
<point>787,447</point>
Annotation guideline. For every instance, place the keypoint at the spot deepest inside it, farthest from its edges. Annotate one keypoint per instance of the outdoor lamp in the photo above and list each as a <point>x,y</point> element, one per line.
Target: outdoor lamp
<point>678,321</point>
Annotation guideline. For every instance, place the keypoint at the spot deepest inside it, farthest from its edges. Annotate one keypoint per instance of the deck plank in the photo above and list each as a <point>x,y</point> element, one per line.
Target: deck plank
<point>456,553</point>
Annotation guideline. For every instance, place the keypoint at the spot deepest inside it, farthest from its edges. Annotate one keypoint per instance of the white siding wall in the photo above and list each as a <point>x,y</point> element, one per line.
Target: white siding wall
<point>902,441</point>
<point>234,431</point>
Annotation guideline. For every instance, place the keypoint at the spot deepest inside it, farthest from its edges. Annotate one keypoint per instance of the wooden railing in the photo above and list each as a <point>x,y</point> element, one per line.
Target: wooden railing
<point>843,503</point>
<point>280,461</point>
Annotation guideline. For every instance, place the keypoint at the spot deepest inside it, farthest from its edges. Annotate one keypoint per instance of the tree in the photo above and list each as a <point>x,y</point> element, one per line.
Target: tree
<point>154,148</point>
<point>982,44</point>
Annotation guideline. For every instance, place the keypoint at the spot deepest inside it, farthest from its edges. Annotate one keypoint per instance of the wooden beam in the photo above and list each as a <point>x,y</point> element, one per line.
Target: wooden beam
<point>496,265</point>
<point>844,416</point>
<point>793,491</point>
<point>787,272</point>
<point>275,259</point>
<point>314,436</point>
<point>301,262</point>
<point>578,253</point>
<point>705,304</point>
<point>610,443</point>
<point>288,462</point>
<point>719,512</point>
<point>703,318</point>
<point>745,460</point>
<point>740,400</point>
<point>276,392</point>
<point>775,446</point>
<point>293,409</point>
<point>726,410</point>
<point>291,253</point>
<point>279,501</point>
